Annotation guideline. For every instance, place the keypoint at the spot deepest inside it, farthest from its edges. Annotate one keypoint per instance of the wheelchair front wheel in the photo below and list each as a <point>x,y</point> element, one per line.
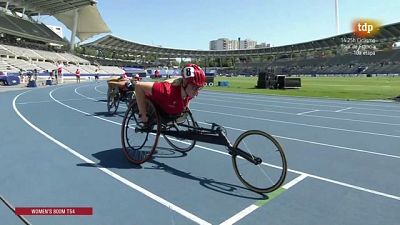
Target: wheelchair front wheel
<point>112,101</point>
<point>259,161</point>
<point>130,95</point>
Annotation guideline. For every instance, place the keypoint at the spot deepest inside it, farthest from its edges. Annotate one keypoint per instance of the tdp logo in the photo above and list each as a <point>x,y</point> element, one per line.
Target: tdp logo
<point>364,28</point>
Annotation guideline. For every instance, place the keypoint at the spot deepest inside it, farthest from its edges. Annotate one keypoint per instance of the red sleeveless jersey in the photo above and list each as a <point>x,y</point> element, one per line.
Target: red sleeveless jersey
<point>168,98</point>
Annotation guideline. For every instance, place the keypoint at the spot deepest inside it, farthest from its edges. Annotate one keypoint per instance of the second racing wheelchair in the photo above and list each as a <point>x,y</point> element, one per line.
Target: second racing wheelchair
<point>120,90</point>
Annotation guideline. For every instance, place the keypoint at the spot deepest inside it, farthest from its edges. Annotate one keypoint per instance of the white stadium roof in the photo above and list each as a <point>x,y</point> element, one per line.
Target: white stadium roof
<point>90,22</point>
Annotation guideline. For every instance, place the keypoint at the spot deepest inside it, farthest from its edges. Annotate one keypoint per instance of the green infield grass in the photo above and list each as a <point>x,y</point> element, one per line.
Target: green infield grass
<point>350,88</point>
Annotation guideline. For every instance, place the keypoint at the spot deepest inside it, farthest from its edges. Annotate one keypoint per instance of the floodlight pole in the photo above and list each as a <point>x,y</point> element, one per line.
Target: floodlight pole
<point>74,28</point>
<point>337,16</point>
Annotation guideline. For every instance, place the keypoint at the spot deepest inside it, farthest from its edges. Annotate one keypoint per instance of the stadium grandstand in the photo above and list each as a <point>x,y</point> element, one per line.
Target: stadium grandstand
<point>27,45</point>
<point>332,55</point>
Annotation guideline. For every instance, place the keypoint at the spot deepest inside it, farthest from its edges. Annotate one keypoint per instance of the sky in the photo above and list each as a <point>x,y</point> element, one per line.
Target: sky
<point>192,24</point>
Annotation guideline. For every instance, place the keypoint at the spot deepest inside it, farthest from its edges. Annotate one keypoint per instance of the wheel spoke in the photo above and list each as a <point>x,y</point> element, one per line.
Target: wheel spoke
<point>177,143</point>
<point>264,177</point>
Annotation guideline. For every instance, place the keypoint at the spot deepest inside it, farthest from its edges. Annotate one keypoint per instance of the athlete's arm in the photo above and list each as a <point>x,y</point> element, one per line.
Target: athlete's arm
<point>141,90</point>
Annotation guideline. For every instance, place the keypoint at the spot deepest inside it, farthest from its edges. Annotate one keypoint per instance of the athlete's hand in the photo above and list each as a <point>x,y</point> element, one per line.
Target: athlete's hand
<point>144,118</point>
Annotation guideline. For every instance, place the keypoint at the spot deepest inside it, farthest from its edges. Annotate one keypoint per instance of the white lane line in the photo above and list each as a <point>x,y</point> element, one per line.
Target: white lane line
<point>252,104</point>
<point>341,110</point>
<point>307,112</point>
<point>356,187</point>
<point>290,170</point>
<point>341,147</point>
<point>371,114</point>
<point>322,144</point>
<point>295,181</point>
<point>317,102</point>
<point>110,173</point>
<point>287,113</point>
<point>240,215</point>
<point>47,101</point>
<point>299,124</point>
<point>322,110</point>
<point>248,102</point>
<point>76,91</point>
<point>96,89</point>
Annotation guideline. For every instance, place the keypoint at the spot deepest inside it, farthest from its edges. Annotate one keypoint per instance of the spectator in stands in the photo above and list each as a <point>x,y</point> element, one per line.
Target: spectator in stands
<point>171,96</point>
<point>60,71</point>
<point>157,74</point>
<point>29,73</point>
<point>56,75</point>
<point>96,75</point>
<point>35,74</point>
<point>78,75</point>
<point>21,75</point>
<point>51,75</point>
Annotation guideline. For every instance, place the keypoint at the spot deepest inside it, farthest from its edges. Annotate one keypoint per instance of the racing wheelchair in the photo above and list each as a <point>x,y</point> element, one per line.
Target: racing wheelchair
<point>119,91</point>
<point>258,159</point>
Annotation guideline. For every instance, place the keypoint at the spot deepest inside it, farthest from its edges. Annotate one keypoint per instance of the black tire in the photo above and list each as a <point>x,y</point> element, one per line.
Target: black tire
<point>270,174</point>
<point>113,101</point>
<point>181,145</point>
<point>138,143</point>
<point>130,95</point>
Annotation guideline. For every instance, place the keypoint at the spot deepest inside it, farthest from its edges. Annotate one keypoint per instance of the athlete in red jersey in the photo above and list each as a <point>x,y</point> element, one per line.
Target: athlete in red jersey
<point>171,96</point>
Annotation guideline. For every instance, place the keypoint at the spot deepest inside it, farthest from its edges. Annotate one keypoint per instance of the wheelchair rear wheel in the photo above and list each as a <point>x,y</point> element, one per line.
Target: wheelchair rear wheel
<point>182,124</point>
<point>139,142</point>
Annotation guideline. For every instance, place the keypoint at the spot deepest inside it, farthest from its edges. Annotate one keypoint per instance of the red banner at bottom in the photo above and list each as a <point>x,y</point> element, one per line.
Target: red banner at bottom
<point>54,211</point>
